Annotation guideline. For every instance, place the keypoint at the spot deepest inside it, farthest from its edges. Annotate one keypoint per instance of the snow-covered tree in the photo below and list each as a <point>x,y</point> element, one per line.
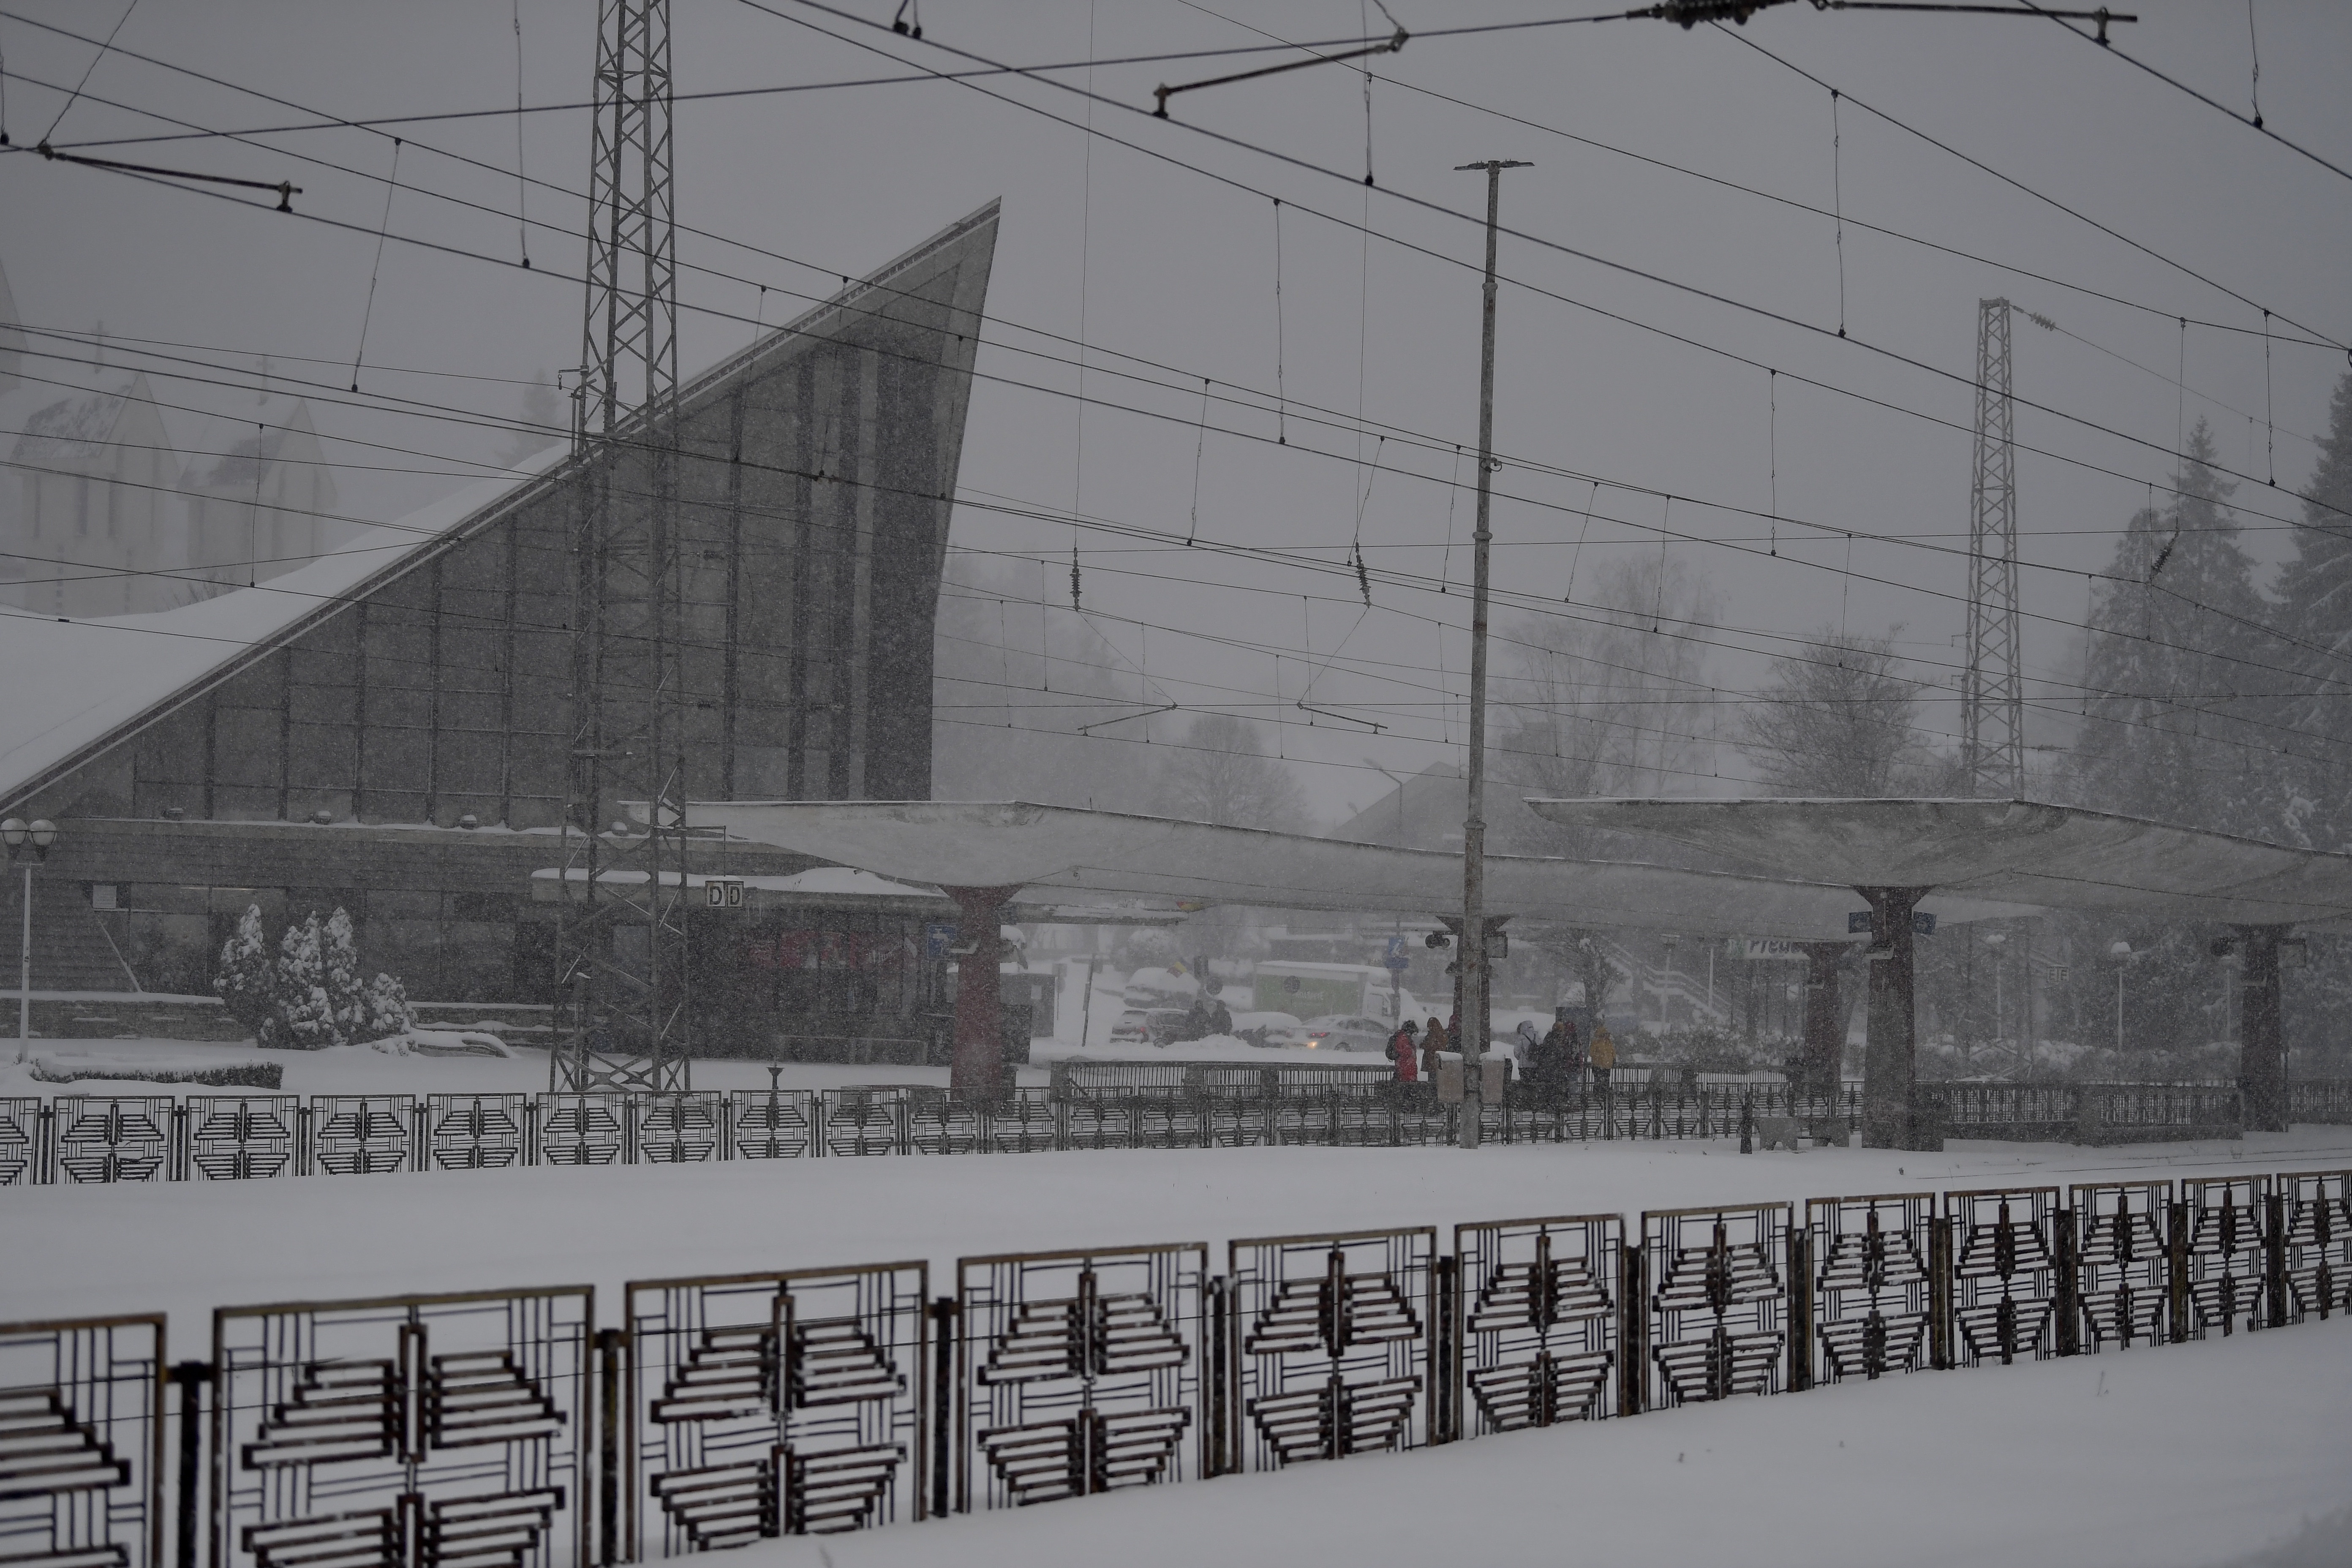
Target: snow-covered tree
<point>2316,612</point>
<point>247,981</point>
<point>339,959</point>
<point>385,1011</point>
<point>306,1017</point>
<point>2172,655</point>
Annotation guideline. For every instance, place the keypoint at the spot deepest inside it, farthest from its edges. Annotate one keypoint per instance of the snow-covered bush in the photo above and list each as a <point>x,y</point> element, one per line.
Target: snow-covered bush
<point>347,993</point>
<point>311,996</point>
<point>246,983</point>
<point>387,1012</point>
<point>306,1017</point>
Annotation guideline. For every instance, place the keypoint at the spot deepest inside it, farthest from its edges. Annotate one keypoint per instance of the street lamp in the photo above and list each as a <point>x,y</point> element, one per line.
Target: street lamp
<point>28,844</point>
<point>2123,954</point>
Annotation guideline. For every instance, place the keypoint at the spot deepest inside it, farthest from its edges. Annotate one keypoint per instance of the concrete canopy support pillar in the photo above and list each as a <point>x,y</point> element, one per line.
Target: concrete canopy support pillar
<point>2262,1060</point>
<point>1890,1060</point>
<point>1822,1064</point>
<point>976,1072</point>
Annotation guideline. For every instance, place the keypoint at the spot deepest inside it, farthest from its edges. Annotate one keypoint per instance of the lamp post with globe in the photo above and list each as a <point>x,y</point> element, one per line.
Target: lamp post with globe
<point>28,844</point>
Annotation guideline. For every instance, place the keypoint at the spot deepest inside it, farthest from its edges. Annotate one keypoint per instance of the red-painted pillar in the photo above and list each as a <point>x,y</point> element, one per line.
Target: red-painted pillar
<point>977,1071</point>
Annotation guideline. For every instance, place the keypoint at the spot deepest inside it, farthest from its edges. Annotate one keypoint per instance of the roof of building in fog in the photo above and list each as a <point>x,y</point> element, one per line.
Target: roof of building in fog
<point>1103,854</point>
<point>2058,857</point>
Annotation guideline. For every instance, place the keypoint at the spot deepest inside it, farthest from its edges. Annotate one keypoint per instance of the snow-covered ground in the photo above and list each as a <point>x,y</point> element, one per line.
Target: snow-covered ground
<point>189,1246</point>
<point>2185,1456</point>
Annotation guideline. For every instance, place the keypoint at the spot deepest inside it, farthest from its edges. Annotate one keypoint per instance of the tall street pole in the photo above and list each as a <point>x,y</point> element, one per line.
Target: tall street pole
<point>1474,825</point>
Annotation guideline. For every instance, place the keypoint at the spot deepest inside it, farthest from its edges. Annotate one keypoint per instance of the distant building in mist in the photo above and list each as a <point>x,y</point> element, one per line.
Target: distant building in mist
<point>99,516</point>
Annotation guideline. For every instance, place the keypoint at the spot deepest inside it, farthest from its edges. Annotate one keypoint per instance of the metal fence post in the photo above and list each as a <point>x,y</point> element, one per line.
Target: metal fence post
<point>943,1400</point>
<point>2176,1271</point>
<point>1800,1304</point>
<point>191,1375</point>
<point>2067,1307</point>
<point>608,1446</point>
<point>176,1163</point>
<point>2274,1259</point>
<point>1939,1292</point>
<point>1216,1383</point>
<point>45,1144</point>
<point>1633,1327</point>
<point>1445,1346</point>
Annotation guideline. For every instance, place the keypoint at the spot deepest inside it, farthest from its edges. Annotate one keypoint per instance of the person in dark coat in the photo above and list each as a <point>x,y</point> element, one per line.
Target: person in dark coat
<point>1403,1052</point>
<point>1433,1039</point>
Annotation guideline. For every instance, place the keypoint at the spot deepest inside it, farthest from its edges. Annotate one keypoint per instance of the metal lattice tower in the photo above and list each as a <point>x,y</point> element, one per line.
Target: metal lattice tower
<point>1992,689</point>
<point>621,941</point>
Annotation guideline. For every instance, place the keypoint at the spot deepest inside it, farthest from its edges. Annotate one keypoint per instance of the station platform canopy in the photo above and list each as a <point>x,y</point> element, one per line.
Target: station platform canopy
<point>2017,851</point>
<point>1105,855</point>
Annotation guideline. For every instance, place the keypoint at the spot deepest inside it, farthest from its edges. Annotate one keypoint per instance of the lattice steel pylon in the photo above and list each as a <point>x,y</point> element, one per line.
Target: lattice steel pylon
<point>1992,684</point>
<point>620,942</point>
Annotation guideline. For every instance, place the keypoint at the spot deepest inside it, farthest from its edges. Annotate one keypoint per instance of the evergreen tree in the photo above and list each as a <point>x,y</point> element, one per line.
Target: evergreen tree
<point>2173,727</point>
<point>246,982</point>
<point>2315,588</point>
<point>306,1017</point>
<point>2171,661</point>
<point>340,960</point>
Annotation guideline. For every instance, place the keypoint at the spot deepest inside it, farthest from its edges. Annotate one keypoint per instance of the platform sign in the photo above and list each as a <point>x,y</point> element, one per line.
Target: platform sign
<point>722,892</point>
<point>938,937</point>
<point>1857,922</point>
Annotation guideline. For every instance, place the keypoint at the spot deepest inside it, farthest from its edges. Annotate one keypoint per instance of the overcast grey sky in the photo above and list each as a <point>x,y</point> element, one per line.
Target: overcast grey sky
<point>1138,255</point>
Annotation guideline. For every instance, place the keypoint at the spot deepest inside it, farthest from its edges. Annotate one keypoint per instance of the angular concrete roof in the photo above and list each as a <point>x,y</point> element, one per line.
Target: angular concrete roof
<point>2059,856</point>
<point>1017,845</point>
<point>77,689</point>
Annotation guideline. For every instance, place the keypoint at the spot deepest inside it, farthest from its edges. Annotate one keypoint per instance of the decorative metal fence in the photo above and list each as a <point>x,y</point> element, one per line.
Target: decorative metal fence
<point>504,1429</point>
<point>438,1430</point>
<point>225,1137</point>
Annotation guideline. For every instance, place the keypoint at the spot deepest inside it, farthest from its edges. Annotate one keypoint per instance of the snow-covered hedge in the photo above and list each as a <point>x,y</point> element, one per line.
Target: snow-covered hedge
<point>310,996</point>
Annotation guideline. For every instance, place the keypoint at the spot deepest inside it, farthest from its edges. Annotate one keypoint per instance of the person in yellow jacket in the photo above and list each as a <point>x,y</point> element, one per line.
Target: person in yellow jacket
<point>1605,1051</point>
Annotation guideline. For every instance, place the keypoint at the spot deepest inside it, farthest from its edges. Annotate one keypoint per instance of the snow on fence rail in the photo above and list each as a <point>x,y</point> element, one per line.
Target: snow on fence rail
<point>245,1137</point>
<point>448,1430</point>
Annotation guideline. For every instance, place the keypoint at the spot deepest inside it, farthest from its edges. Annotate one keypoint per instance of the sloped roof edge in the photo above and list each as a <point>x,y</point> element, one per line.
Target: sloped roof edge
<point>59,746</point>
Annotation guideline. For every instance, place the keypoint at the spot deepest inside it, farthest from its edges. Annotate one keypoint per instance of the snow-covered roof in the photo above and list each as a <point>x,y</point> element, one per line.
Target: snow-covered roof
<point>1019,846</point>
<point>75,686</point>
<point>2060,857</point>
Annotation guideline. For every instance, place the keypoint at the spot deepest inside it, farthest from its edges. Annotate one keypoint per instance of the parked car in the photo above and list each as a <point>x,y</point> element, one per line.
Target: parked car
<point>1346,1031</point>
<point>1275,1031</point>
<point>1153,1025</point>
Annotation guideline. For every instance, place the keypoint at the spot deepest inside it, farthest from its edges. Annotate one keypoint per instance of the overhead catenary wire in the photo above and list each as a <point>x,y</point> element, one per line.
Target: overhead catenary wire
<point>2254,123</point>
<point>1438,208</point>
<point>1827,529</point>
<point>1542,292</point>
<point>390,187</point>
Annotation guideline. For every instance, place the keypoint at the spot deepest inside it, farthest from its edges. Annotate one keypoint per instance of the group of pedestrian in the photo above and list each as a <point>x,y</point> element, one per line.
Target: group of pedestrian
<point>1550,1061</point>
<point>1414,1049</point>
<point>1556,1059</point>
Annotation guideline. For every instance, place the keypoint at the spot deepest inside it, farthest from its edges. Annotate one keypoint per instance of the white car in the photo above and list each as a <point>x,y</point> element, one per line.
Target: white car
<point>1276,1031</point>
<point>1341,1033</point>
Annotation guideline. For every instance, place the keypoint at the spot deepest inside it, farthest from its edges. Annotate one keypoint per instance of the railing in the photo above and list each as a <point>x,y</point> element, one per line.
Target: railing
<point>441,1430</point>
<point>247,1137</point>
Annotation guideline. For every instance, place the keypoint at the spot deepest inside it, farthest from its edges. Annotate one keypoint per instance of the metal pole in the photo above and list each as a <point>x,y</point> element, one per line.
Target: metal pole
<point>1473,1043</point>
<point>2120,1007</point>
<point>24,975</point>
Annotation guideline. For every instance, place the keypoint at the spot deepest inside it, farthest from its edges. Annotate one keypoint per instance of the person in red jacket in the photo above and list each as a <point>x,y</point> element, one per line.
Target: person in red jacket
<point>1402,1049</point>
